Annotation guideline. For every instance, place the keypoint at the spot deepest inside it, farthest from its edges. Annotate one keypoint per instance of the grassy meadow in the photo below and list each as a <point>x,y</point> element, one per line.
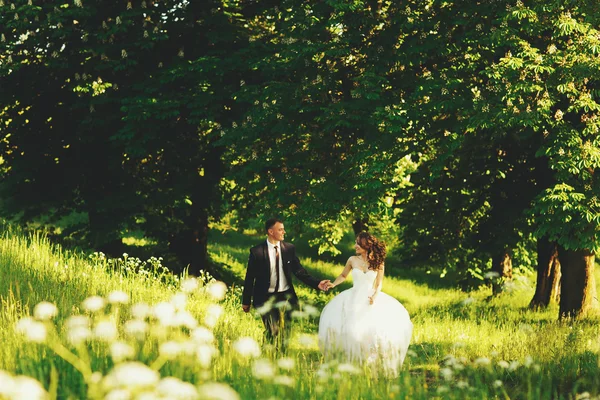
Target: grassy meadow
<point>127,329</point>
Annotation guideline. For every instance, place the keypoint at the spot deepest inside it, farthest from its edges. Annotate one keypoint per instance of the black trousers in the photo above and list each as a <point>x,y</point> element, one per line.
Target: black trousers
<point>277,319</point>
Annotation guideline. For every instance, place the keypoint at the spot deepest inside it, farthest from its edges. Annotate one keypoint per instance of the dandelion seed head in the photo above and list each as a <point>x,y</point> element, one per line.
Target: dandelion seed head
<point>121,351</point>
<point>189,285</point>
<point>247,347</point>
<point>118,297</point>
<point>263,369</point>
<point>217,290</point>
<point>106,331</point>
<point>217,391</point>
<point>131,374</point>
<point>174,388</point>
<point>34,331</point>
<point>136,328</point>
<point>286,363</point>
<point>93,304</point>
<point>45,311</point>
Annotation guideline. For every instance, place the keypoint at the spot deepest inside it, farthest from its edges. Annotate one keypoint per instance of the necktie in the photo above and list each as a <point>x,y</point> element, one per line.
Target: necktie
<point>277,268</point>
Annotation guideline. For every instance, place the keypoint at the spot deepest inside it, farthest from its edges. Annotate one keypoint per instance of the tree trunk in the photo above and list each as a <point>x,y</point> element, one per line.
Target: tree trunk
<point>360,225</point>
<point>190,247</point>
<point>502,264</point>
<point>578,286</point>
<point>547,289</point>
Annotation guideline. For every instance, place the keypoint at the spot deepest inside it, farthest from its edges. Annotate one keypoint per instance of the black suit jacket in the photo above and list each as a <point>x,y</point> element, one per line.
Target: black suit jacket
<point>258,273</point>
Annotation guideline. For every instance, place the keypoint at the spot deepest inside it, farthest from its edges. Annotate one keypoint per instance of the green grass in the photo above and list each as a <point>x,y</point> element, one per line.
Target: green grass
<point>464,345</point>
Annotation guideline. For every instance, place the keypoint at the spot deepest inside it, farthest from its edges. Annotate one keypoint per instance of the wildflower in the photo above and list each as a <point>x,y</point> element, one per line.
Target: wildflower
<point>174,388</point>
<point>165,313</point>
<point>462,384</point>
<point>491,275</point>
<point>311,310</point>
<point>284,380</point>
<point>140,310</point>
<point>106,331</point>
<point>348,368</point>
<point>121,351</point>
<point>179,301</point>
<point>306,340</point>
<point>497,383</point>
<point>131,374</point>
<point>558,115</point>
<point>503,364</point>
<point>483,361</point>
<point>446,373</point>
<point>118,297</point>
<point>189,285</point>
<point>213,313</point>
<point>202,335</point>
<point>169,350</point>
<point>263,369</point>
<point>118,394</point>
<point>28,388</point>
<point>217,290</point>
<point>204,354</point>
<point>136,328</point>
<point>217,391</point>
<point>443,389</point>
<point>467,301</point>
<point>247,347</point>
<point>513,365</point>
<point>93,304</point>
<point>286,363</point>
<point>78,329</point>
<point>45,311</point>
<point>33,330</point>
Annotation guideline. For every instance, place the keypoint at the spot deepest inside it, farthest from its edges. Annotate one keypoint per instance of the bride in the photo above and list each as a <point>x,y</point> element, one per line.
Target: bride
<point>362,323</point>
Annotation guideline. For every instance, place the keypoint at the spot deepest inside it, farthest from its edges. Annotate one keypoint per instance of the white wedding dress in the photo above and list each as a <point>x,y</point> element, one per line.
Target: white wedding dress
<point>377,333</point>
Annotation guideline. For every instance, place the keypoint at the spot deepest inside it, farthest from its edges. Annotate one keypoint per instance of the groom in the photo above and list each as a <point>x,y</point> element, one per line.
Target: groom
<point>269,278</point>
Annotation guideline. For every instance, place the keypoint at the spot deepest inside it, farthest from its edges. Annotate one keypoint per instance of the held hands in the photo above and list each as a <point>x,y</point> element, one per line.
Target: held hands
<point>325,285</point>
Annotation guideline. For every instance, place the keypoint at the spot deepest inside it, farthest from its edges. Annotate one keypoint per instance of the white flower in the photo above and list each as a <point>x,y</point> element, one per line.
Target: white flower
<point>286,363</point>
<point>482,361</point>
<point>184,318</point>
<point>513,365</point>
<point>189,285</point>
<point>503,364</point>
<point>497,383</point>
<point>165,313</point>
<point>202,335</point>
<point>217,391</point>
<point>528,361</point>
<point>141,310</point>
<point>34,331</point>
<point>93,303</point>
<point>263,369</point>
<point>284,380</point>
<point>217,290</point>
<point>306,340</point>
<point>491,275</point>
<point>446,373</point>
<point>170,349</point>
<point>173,388</point>
<point>467,301</point>
<point>443,389</point>
<point>118,394</point>
<point>462,384</point>
<point>106,331</point>
<point>78,334</point>
<point>6,384</point>
<point>118,297</point>
<point>312,310</point>
<point>131,374</point>
<point>121,351</point>
<point>136,328</point>
<point>213,313</point>
<point>45,311</point>
<point>204,354</point>
<point>348,368</point>
<point>179,301</point>
<point>247,347</point>
<point>28,388</point>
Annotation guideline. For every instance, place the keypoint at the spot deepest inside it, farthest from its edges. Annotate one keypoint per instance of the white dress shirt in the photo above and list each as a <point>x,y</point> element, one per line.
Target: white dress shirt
<point>283,283</point>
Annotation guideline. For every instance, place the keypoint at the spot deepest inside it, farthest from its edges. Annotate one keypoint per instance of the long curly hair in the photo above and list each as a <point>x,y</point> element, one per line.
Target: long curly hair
<point>375,248</point>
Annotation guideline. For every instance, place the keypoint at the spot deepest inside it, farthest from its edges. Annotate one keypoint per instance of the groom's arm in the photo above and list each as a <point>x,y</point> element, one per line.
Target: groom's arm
<point>301,273</point>
<point>249,283</point>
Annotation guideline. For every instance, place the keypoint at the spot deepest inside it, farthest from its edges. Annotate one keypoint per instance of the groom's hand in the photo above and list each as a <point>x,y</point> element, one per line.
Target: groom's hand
<point>324,285</point>
<point>246,307</point>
